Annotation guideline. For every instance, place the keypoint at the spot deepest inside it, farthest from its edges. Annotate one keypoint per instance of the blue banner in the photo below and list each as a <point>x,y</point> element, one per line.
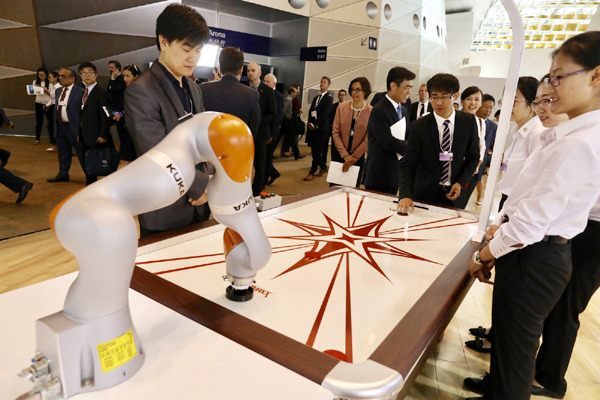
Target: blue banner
<point>246,42</point>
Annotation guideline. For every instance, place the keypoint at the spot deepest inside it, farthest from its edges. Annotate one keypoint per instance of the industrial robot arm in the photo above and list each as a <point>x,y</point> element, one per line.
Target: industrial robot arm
<point>96,224</point>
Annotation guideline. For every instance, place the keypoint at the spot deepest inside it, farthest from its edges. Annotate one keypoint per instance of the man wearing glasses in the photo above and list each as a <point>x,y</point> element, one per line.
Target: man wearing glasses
<point>66,123</point>
<point>442,152</point>
<point>94,117</point>
<point>387,128</point>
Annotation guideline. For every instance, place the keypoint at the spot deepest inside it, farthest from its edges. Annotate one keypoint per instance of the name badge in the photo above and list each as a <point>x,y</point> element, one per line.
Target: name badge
<point>446,156</point>
<point>503,167</point>
<point>313,114</point>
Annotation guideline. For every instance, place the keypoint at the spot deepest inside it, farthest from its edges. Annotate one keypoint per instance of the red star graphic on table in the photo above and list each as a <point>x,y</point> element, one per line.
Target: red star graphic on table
<point>334,240</point>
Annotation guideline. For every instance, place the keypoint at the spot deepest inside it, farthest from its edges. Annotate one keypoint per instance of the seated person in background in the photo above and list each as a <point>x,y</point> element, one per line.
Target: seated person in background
<point>161,98</point>
<point>443,150</point>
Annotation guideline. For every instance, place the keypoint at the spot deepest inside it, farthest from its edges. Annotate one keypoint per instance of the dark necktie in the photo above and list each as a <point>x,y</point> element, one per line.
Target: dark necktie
<point>446,149</point>
<point>422,110</point>
<point>59,108</point>
<point>85,96</point>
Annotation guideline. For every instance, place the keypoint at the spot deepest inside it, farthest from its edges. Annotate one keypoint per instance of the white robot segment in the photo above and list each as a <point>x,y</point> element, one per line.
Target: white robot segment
<point>92,344</point>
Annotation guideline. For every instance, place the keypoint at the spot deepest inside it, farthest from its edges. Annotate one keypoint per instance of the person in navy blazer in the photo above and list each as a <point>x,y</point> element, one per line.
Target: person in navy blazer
<point>94,121</point>
<point>381,170</point>
<point>421,168</point>
<point>317,133</point>
<point>66,125</point>
<point>487,105</point>
<point>228,95</point>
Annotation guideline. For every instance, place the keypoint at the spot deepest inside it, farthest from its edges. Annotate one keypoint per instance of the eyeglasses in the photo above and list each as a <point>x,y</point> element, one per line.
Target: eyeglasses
<point>407,87</point>
<point>355,90</point>
<point>542,103</point>
<point>555,80</point>
<point>441,98</point>
<point>87,73</point>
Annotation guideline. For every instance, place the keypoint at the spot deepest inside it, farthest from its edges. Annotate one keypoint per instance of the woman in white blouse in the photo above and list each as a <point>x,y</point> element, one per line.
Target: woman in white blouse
<point>525,135</point>
<point>40,101</point>
<point>470,100</point>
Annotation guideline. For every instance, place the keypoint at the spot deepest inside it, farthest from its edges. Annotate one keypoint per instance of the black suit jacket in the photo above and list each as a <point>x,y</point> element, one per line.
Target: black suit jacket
<point>321,122</point>
<point>382,162</point>
<point>93,120</point>
<point>414,109</point>
<point>276,124</point>
<point>421,169</point>
<point>228,95</point>
<point>334,108</point>
<point>153,109</point>
<point>116,88</point>
<point>73,107</point>
<point>268,111</point>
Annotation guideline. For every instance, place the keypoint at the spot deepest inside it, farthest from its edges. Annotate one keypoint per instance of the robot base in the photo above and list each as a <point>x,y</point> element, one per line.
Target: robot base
<point>239,295</point>
<point>89,355</point>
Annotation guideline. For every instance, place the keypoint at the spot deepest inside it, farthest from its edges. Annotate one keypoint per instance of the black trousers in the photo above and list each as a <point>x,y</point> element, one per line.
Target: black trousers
<point>126,149</point>
<point>39,121</point>
<point>528,283</point>
<point>561,326</point>
<point>290,138</point>
<point>66,142</point>
<point>11,181</point>
<point>260,161</point>
<point>318,142</point>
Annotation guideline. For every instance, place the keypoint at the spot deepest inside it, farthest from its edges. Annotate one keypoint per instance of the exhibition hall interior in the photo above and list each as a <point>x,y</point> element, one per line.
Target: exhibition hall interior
<point>297,284</point>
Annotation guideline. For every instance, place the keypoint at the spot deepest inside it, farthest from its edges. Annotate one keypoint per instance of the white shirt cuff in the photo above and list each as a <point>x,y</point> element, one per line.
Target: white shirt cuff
<point>498,248</point>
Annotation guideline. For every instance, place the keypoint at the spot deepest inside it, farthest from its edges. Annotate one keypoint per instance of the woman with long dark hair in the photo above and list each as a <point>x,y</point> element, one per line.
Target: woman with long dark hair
<point>126,149</point>
<point>40,101</point>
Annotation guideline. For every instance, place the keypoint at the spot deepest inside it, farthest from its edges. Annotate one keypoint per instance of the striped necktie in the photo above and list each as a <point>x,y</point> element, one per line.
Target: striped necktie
<point>446,149</point>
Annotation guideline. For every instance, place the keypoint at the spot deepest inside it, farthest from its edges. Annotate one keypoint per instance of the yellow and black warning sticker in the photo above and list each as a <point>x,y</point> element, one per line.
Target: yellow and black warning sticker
<point>117,352</point>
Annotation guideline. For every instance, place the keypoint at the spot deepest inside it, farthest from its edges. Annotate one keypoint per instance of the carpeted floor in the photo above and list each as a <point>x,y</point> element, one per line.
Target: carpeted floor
<point>35,164</point>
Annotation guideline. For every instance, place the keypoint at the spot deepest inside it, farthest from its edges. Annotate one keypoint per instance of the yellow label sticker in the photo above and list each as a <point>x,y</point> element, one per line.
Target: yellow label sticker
<point>117,352</point>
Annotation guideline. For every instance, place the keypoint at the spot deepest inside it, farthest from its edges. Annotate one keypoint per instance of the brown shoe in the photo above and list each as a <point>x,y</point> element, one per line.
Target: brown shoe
<point>309,177</point>
<point>322,171</point>
<point>300,157</point>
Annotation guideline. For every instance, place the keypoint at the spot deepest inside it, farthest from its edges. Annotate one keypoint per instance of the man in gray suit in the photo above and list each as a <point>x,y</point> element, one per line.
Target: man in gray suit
<point>161,98</point>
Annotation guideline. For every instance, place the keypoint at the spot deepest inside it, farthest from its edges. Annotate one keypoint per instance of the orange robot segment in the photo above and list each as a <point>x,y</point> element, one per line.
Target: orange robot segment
<point>231,239</point>
<point>233,145</point>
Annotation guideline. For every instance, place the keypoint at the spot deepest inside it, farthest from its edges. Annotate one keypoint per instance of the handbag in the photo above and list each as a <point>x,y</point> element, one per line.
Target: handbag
<point>101,161</point>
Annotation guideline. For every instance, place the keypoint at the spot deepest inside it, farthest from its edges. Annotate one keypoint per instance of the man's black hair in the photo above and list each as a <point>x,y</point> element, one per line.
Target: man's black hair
<point>87,64</point>
<point>231,60</point>
<point>399,75</point>
<point>182,23</point>
<point>443,83</point>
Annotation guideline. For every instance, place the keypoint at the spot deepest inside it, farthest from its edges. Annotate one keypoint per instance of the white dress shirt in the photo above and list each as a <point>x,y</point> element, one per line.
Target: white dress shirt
<point>557,188</point>
<point>63,111</point>
<point>525,140</point>
<point>424,105</point>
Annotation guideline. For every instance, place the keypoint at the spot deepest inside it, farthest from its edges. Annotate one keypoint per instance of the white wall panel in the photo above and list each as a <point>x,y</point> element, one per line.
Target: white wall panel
<point>354,13</point>
<point>284,5</point>
<point>324,32</point>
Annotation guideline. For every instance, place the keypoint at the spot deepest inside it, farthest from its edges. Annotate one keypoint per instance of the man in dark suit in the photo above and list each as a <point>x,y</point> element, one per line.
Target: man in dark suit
<point>66,123</point>
<point>442,152</point>
<point>93,120</point>
<point>268,110</point>
<point>381,170</point>
<point>487,106</point>
<point>317,135</point>
<point>271,172</point>
<point>423,106</point>
<point>161,98</point>
<point>228,95</point>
